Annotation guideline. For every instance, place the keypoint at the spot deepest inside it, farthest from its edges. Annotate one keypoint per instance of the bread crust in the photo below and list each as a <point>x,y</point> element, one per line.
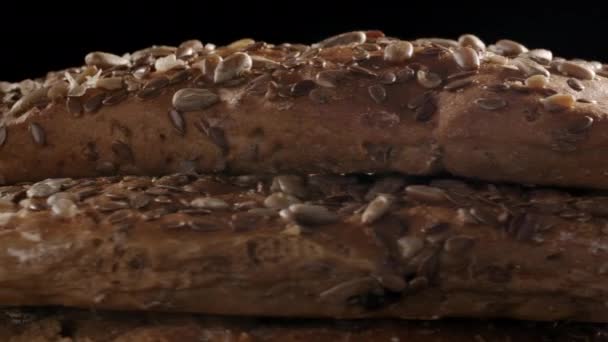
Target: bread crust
<point>356,106</point>
<point>53,325</point>
<point>330,246</point>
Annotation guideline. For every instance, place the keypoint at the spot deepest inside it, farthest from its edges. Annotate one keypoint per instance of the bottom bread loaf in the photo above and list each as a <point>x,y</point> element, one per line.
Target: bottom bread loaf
<point>319,246</point>
<point>54,325</point>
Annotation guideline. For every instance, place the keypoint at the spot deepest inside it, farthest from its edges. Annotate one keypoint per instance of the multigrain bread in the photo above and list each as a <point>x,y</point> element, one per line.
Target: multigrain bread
<point>82,326</point>
<point>323,246</point>
<point>357,102</point>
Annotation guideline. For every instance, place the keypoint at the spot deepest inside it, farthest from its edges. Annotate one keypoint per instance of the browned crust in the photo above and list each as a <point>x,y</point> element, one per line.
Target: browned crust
<point>278,124</point>
<point>464,251</point>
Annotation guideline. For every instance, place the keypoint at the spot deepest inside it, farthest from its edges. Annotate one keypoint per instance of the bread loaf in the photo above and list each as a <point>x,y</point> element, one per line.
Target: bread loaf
<point>357,102</point>
<point>82,326</point>
<point>322,246</point>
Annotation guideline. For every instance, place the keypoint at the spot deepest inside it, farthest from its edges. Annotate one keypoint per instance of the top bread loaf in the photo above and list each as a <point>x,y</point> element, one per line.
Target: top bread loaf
<point>356,102</point>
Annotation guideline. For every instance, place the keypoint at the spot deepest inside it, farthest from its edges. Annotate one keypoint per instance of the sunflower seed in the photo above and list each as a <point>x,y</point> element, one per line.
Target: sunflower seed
<point>558,102</point>
<point>3,135</point>
<point>497,88</point>
<point>193,99</point>
<point>289,184</point>
<point>466,58</point>
<point>157,213</point>
<point>398,52</point>
<point>109,206</point>
<point>581,125</point>
<point>356,37</point>
<point>377,208</point>
<point>139,201</point>
<point>433,50</point>
<point>575,84</point>
<point>29,101</point>
<point>169,62</point>
<point>139,73</point>
<point>110,83</point>
<point>259,62</point>
<point>409,246</point>
<point>583,100</point>
<point>483,215</point>
<point>302,88</point>
<point>541,56</point>
<point>458,84</point>
<point>122,151</point>
<point>209,203</point>
<point>181,76</point>
<point>164,200</point>
<point>529,67</point>
<point>189,48</point>
<point>64,208</point>
<point>359,70</point>
<point>354,292</point>
<point>461,74</point>
<point>43,189</point>
<point>493,103</point>
<point>472,41</point>
<point>158,191</point>
<point>104,59</point>
<point>177,120</point>
<point>537,82</point>
<point>577,70</point>
<point>58,91</point>
<point>208,66</point>
<point>426,193</point>
<point>120,216</point>
<point>37,133</point>
<point>279,200</point>
<point>359,54</point>
<point>428,79</point>
<point>405,74</point>
<point>153,87</point>
<point>308,214</point>
<point>388,77</point>
<point>320,95</point>
<point>330,78</point>
<point>115,98</point>
<point>377,92</point>
<point>93,103</point>
<point>240,44</point>
<point>232,67</point>
<point>86,192</point>
<point>459,244</point>
<point>510,47</point>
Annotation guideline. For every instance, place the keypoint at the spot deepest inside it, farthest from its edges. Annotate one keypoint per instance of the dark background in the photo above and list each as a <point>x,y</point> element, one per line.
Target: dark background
<point>37,39</point>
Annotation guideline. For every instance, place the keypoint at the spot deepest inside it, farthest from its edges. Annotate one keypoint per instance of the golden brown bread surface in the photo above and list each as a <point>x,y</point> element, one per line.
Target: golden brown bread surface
<point>361,102</point>
<point>322,246</point>
<point>52,325</point>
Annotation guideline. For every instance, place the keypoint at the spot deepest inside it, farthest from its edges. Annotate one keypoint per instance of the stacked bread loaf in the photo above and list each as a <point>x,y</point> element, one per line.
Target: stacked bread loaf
<point>362,178</point>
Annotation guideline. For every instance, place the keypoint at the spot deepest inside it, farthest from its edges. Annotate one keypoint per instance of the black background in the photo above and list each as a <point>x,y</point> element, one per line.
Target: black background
<point>37,37</point>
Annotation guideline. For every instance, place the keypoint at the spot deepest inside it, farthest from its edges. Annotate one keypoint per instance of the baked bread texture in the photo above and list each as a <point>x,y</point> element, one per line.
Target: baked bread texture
<point>354,103</point>
<point>320,246</point>
<point>52,325</point>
